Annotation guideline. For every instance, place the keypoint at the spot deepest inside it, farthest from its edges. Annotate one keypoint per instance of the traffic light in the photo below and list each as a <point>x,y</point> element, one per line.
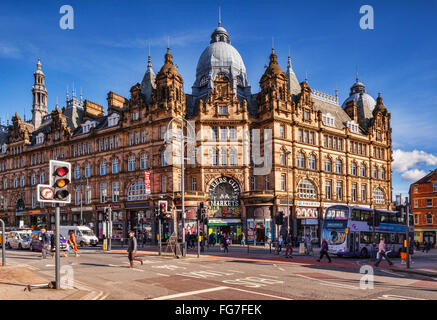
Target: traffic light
<point>60,178</point>
<point>162,207</point>
<point>280,218</point>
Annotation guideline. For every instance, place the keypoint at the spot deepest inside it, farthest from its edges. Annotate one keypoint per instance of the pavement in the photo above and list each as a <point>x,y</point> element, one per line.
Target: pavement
<point>237,275</point>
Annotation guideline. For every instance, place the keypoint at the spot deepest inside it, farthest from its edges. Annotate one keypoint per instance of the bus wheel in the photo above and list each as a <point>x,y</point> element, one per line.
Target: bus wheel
<point>364,253</point>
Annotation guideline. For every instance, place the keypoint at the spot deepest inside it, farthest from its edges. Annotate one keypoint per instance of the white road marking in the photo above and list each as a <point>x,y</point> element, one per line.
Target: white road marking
<point>168,267</point>
<point>189,293</point>
<point>328,283</point>
<point>50,265</point>
<point>395,297</point>
<point>278,267</point>
<point>265,275</point>
<point>263,294</point>
<point>392,273</point>
<point>235,271</point>
<point>163,275</point>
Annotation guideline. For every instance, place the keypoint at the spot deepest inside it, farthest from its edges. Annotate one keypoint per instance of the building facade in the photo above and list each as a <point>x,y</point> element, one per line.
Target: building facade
<point>423,195</point>
<point>251,156</point>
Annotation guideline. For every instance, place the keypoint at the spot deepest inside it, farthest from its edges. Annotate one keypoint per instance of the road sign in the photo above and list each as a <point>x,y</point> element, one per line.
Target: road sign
<point>44,193</point>
<point>47,193</point>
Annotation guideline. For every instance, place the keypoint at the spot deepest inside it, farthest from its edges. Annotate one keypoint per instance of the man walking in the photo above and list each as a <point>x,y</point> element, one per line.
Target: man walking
<point>280,244</point>
<point>324,250</point>
<point>132,249</point>
<point>381,252</point>
<point>46,248</point>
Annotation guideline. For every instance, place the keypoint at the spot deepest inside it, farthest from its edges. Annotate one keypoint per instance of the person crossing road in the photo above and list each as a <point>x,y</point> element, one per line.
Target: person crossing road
<point>132,249</point>
<point>382,253</point>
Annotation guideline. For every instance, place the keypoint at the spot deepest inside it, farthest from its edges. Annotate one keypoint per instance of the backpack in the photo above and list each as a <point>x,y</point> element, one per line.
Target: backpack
<point>228,241</point>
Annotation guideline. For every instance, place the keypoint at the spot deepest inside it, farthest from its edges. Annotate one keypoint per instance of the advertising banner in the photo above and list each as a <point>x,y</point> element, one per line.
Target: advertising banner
<point>147,181</point>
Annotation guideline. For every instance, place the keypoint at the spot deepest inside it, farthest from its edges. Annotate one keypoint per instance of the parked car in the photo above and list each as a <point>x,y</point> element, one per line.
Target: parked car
<point>36,241</point>
<point>18,240</point>
<point>84,235</point>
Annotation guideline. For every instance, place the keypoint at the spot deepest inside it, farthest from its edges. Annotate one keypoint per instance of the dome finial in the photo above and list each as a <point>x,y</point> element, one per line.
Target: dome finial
<point>273,45</point>
<point>220,16</point>
<point>356,78</point>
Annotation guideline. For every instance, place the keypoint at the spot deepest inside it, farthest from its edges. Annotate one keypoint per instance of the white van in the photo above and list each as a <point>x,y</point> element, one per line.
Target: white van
<point>84,235</point>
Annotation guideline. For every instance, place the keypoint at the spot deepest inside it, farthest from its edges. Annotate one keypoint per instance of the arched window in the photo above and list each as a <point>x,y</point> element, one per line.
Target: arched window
<point>327,164</point>
<point>312,162</point>
<point>338,166</point>
<point>363,170</point>
<point>378,196</point>
<point>353,169</point>
<point>115,167</point>
<point>137,191</point>
<point>382,174</point>
<point>300,160</point>
<point>306,190</point>
<point>375,173</point>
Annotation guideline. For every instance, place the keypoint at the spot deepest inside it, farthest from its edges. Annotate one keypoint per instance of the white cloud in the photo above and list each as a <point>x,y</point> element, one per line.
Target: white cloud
<point>6,50</point>
<point>413,175</point>
<point>405,160</point>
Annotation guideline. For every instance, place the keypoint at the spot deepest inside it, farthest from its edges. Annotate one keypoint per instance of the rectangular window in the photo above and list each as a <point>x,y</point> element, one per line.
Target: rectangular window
<point>429,202</point>
<point>339,190</point>
<point>79,149</point>
<point>311,137</point>
<point>224,157</point>
<point>143,136</point>
<point>100,145</point>
<point>305,136</point>
<point>252,183</point>
<point>33,200</point>
<point>89,150</point>
<point>267,183</point>
<point>163,184</point>
<point>193,184</point>
<point>116,142</point>
<point>434,187</point>
<point>416,219</point>
<point>223,133</point>
<point>214,133</point>
<point>131,138</point>
<point>328,190</point>
<point>111,143</point>
<point>415,203</point>
<point>429,218</point>
<point>163,130</point>
<point>330,142</point>
<point>340,144</point>
<point>87,171</point>
<point>137,137</point>
<point>103,168</point>
<point>232,135</point>
<point>74,151</point>
<point>325,141</point>
<point>363,192</point>
<point>282,131</point>
<point>214,158</point>
<point>115,191</point>
<point>354,192</point>
<point>135,116</point>
<point>103,193</point>
<point>88,195</point>
<point>223,109</point>
<point>283,178</point>
<point>300,135</point>
<point>306,116</point>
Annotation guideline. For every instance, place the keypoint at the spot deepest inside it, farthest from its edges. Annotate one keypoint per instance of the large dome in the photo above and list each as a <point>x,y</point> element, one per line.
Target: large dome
<point>365,102</point>
<point>220,57</point>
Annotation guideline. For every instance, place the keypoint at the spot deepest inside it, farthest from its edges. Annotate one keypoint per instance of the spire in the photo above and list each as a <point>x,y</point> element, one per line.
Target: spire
<point>220,17</point>
<point>67,97</point>
<point>39,93</point>
<point>356,77</point>
<point>148,83</point>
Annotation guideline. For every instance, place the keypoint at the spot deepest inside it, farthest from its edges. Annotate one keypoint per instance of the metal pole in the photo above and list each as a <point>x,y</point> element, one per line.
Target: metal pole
<point>3,243</point>
<point>58,257</point>
<point>408,236</point>
<point>198,239</point>
<point>159,237</point>
<point>183,186</point>
<point>110,229</point>
<point>288,197</point>
<point>81,214</point>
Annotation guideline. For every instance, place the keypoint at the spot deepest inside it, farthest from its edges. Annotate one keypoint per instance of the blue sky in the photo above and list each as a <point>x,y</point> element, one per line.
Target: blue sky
<point>108,48</point>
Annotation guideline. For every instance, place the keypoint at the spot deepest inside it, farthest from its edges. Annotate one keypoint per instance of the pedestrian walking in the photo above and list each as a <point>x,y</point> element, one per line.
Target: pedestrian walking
<point>73,245</point>
<point>46,248</point>
<point>289,247</point>
<point>324,250</point>
<point>132,249</point>
<point>382,253</point>
<point>226,243</point>
<point>280,244</point>
<point>424,246</point>
<point>428,246</point>
<point>243,239</point>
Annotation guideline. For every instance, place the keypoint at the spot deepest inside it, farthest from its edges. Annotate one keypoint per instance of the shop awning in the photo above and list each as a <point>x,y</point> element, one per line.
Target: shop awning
<point>223,222</point>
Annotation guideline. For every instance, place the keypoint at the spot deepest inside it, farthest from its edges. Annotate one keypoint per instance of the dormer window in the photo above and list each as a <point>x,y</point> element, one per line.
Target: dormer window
<point>223,109</point>
<point>113,119</point>
<point>88,125</point>
<point>306,116</point>
<point>135,116</point>
<point>40,138</point>
<point>328,120</point>
<point>353,126</point>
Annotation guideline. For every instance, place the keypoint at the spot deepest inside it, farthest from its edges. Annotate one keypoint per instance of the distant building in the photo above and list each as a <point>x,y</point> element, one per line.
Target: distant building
<point>335,153</point>
<point>423,195</point>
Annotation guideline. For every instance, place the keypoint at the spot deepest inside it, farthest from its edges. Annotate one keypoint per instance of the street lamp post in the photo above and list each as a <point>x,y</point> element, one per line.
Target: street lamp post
<point>288,195</point>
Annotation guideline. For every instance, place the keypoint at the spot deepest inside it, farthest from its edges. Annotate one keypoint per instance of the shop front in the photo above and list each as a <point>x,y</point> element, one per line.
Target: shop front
<point>307,220</point>
<point>224,211</point>
<point>428,235</point>
<point>38,219</point>
<point>117,222</point>
<point>139,219</point>
<point>88,217</point>
<point>259,225</point>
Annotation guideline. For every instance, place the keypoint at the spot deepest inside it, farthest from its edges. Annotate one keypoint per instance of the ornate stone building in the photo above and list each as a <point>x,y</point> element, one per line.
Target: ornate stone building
<point>321,153</point>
